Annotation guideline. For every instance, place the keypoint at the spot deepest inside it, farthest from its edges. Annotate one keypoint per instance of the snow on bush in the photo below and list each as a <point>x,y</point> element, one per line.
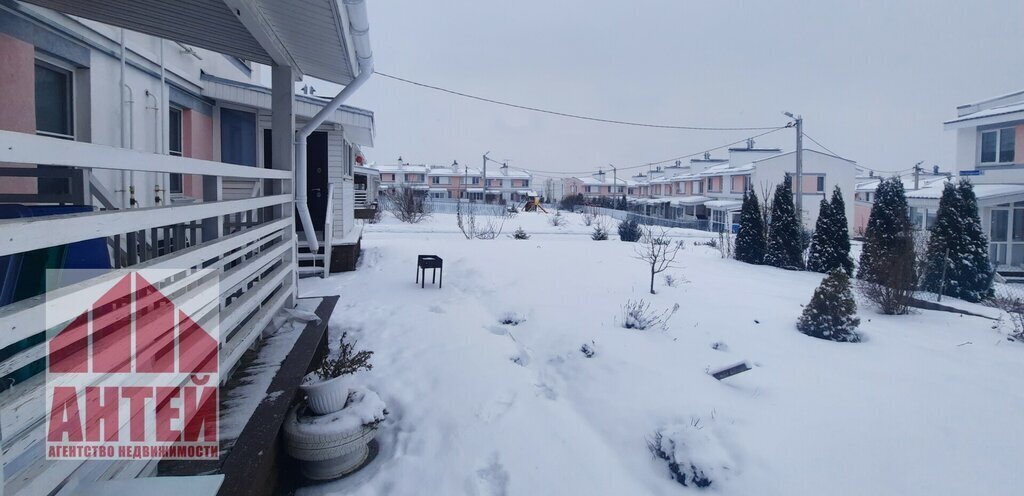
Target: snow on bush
<point>638,315</point>
<point>599,234</point>
<point>588,349</point>
<point>832,312</point>
<point>694,453</point>
<point>511,318</point>
<point>1011,302</point>
<point>520,234</point>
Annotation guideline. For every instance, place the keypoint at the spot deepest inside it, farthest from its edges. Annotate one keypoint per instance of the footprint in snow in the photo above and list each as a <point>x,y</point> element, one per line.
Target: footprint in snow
<point>437,309</point>
<point>496,407</point>
<point>492,480</point>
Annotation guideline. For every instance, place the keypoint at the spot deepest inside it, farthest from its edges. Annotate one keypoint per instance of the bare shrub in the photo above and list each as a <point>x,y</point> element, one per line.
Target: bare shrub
<point>472,227</point>
<point>1011,302</point>
<point>892,298</point>
<point>407,204</point>
<point>638,315</point>
<point>557,219</point>
<point>726,244</point>
<point>658,251</point>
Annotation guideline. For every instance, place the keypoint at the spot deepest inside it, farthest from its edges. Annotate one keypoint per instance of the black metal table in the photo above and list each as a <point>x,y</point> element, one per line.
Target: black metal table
<point>424,262</point>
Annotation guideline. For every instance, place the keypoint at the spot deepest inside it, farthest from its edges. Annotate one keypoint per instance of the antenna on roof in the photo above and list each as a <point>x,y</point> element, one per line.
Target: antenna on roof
<point>707,155</point>
<point>750,143</point>
<point>678,163</point>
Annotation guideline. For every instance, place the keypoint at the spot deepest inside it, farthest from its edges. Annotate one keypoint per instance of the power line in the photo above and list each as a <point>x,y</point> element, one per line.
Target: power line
<point>572,116</point>
<point>673,159</point>
<point>861,166</point>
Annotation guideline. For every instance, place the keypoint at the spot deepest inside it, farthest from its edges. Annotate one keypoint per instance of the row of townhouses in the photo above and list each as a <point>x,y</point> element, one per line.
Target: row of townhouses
<point>499,185</point>
<point>989,151</point>
<point>169,136</point>
<point>712,188</point>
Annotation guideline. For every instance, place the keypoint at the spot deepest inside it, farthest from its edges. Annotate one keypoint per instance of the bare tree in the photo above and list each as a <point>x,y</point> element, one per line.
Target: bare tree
<point>488,228</point>
<point>407,204</point>
<point>658,251</point>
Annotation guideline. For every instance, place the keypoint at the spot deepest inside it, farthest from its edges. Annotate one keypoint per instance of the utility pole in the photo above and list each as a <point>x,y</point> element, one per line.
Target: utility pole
<point>465,179</point>
<point>917,174</point>
<point>798,189</point>
<point>485,177</point>
<point>615,181</point>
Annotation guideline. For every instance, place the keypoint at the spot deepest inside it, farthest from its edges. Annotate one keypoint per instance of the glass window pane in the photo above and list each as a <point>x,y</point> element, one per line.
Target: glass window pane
<point>930,218</point>
<point>1017,255</point>
<point>821,183</point>
<point>53,100</point>
<point>237,137</point>
<point>1018,224</point>
<point>988,146</point>
<point>1006,142</point>
<point>999,223</point>
<point>174,131</point>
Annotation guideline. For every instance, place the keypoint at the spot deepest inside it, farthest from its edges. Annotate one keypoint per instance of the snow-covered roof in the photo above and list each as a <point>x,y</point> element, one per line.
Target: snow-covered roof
<point>724,204</point>
<point>924,181</point>
<point>414,169</point>
<point>449,171</point>
<point>593,181</point>
<point>511,172</point>
<point>1017,108</point>
<point>691,200</point>
<point>981,191</point>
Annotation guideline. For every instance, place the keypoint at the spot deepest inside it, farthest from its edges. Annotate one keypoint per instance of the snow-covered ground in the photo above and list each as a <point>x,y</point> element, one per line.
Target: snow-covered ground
<point>931,403</point>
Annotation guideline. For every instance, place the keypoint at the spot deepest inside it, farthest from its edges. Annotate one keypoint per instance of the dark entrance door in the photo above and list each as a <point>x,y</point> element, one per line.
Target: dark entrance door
<point>316,173</point>
<point>316,178</point>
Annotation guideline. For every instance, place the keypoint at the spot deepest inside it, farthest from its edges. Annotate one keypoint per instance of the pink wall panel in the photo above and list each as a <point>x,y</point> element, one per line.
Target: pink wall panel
<point>196,142</point>
<point>18,105</point>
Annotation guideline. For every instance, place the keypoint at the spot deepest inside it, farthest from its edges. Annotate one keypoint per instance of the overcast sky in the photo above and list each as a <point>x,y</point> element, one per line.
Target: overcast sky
<point>873,80</point>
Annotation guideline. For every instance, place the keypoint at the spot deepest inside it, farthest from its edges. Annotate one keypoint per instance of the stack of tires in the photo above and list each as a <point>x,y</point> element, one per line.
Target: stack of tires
<point>332,438</point>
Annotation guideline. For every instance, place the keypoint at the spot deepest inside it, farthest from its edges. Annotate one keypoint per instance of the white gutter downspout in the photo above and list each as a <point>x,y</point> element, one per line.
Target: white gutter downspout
<point>360,27</point>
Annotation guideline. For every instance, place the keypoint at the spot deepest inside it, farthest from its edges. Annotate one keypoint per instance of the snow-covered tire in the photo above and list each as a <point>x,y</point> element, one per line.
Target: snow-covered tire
<point>309,437</point>
<point>335,467</point>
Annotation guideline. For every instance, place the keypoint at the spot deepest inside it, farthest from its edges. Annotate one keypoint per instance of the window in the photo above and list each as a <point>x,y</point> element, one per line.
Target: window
<point>476,180</point>
<point>526,183</point>
<point>435,180</point>
<point>54,93</point>
<point>698,187</point>
<point>237,137</point>
<point>821,184</point>
<point>997,146</point>
<point>174,144</point>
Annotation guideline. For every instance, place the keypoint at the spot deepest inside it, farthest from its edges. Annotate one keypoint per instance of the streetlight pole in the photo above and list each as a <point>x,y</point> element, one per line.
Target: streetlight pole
<point>798,189</point>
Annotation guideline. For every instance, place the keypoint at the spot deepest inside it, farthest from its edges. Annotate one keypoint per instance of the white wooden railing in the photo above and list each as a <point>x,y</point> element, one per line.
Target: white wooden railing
<point>252,258</point>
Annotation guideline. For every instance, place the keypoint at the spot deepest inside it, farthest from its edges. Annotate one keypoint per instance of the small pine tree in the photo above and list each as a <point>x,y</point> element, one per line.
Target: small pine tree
<point>750,241</point>
<point>821,242</point>
<point>957,248</point>
<point>831,314</point>
<point>842,231</point>
<point>520,234</point>
<point>887,261</point>
<point>783,247</point>
<point>629,230</point>
<point>599,234</point>
<point>888,236</point>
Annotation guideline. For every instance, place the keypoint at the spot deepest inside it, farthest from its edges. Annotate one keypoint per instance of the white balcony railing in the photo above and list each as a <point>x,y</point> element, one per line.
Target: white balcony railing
<point>249,243</point>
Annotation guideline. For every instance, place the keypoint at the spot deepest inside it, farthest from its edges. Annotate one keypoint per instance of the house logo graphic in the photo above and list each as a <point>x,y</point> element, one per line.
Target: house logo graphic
<point>132,371</point>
